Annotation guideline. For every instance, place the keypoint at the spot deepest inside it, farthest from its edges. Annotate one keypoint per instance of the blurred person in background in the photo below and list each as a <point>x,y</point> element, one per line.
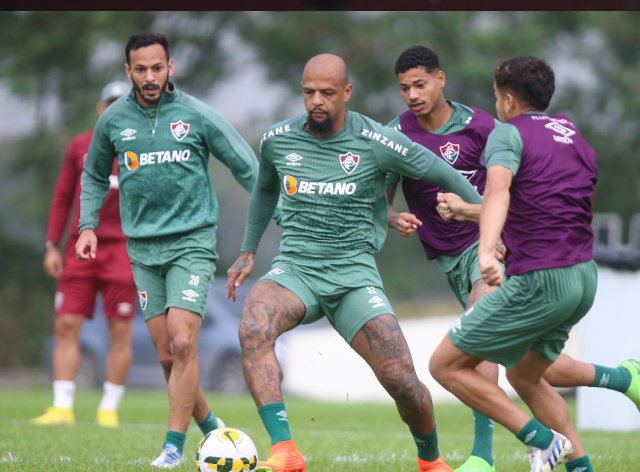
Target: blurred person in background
<point>79,283</point>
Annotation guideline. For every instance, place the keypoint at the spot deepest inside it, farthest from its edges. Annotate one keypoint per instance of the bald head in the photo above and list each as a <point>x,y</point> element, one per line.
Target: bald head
<point>326,89</point>
<point>327,67</point>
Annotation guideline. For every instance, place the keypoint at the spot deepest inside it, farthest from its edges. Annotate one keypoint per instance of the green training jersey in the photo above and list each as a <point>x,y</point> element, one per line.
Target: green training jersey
<point>334,202</point>
<point>163,157</point>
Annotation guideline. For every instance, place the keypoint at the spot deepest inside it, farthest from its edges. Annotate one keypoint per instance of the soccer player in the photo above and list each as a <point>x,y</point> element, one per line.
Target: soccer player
<point>162,138</point>
<point>458,134</point>
<point>330,165</point>
<point>540,180</point>
<point>78,284</point>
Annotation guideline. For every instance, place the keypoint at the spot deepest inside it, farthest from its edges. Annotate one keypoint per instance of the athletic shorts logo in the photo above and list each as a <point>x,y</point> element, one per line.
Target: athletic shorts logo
<point>290,185</point>
<point>131,160</point>
<point>190,295</point>
<point>349,162</point>
<point>180,130</point>
<point>283,415</point>
<point>450,152</point>
<point>275,271</point>
<point>457,325</point>
<point>294,159</point>
<point>377,301</point>
<point>124,308</point>
<point>143,299</point>
<point>128,134</point>
<point>58,300</point>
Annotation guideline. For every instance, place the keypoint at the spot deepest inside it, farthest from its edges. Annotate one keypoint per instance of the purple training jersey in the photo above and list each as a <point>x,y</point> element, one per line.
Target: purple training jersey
<point>464,150</point>
<point>549,219</point>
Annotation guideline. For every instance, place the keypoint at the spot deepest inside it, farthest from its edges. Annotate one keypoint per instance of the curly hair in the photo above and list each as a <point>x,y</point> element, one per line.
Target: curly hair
<point>529,79</point>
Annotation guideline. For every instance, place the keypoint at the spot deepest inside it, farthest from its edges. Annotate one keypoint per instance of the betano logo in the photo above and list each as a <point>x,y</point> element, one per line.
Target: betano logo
<point>292,186</point>
<point>132,160</point>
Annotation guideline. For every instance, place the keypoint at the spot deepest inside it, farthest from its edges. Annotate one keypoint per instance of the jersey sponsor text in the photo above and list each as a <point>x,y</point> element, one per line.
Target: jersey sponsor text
<point>292,186</point>
<point>386,141</point>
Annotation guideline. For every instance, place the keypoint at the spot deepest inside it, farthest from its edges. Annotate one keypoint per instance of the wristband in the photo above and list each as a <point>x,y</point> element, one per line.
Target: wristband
<point>50,244</point>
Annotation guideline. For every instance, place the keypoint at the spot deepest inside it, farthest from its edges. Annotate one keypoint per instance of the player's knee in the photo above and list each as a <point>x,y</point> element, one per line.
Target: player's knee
<point>166,361</point>
<point>182,347</point>
<point>438,370</point>
<point>66,327</point>
<point>255,329</point>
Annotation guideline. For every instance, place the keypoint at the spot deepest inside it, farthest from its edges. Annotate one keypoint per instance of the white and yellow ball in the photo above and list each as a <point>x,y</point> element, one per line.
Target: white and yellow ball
<point>226,450</point>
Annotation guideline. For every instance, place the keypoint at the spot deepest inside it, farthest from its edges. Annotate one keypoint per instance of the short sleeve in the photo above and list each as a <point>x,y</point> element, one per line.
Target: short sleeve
<point>504,147</point>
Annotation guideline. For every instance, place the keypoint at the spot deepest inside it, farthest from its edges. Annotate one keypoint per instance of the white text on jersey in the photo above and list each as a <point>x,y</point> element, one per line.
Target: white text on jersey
<point>386,141</point>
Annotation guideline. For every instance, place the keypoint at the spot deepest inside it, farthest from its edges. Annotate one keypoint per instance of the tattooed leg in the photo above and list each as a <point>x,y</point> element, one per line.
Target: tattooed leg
<point>479,290</point>
<point>382,345</point>
<point>269,311</point>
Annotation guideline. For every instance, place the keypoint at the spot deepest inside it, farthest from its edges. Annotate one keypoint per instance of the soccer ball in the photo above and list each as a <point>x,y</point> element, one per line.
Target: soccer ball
<point>226,450</point>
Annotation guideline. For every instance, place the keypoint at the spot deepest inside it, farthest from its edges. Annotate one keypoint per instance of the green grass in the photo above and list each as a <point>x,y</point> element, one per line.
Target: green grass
<point>333,437</point>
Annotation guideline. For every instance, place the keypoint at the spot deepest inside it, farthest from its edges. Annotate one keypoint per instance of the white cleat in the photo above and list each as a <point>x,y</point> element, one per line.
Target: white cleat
<point>220,423</point>
<point>549,460</point>
<point>169,458</point>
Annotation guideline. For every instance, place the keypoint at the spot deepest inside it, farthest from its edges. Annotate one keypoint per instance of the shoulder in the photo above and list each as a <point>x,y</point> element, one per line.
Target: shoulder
<point>283,128</point>
<point>200,108</point>
<point>504,136</point>
<point>380,137</point>
<point>395,123</point>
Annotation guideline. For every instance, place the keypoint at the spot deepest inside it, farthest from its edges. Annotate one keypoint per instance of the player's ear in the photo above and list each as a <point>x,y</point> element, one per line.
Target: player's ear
<point>347,92</point>
<point>170,67</point>
<point>441,78</point>
<point>127,69</point>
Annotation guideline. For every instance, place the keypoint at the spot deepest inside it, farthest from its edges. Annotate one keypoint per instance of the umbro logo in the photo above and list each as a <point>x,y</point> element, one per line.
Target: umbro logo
<point>128,134</point>
<point>283,415</point>
<point>190,295</point>
<point>457,325</point>
<point>604,380</point>
<point>530,436</point>
<point>580,469</point>
<point>294,159</point>
<point>377,301</point>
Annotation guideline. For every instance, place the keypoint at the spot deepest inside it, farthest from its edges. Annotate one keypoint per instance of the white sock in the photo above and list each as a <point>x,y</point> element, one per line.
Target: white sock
<point>63,392</point>
<point>111,396</point>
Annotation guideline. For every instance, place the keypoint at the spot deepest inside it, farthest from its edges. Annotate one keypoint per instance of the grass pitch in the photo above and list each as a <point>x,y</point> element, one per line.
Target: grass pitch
<point>333,437</point>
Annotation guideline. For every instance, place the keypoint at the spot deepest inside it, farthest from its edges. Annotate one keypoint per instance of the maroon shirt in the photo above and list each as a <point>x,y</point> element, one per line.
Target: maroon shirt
<point>67,193</point>
<point>464,150</point>
<point>549,220</point>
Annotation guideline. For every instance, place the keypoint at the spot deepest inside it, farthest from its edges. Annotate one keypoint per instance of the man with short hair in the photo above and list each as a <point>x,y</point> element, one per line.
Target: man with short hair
<point>458,134</point>
<point>78,284</point>
<point>330,164</point>
<point>162,139</point>
<point>540,180</point>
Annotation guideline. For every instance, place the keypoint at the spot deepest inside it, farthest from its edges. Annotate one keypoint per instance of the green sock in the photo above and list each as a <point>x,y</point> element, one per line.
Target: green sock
<point>535,435</point>
<point>483,437</point>
<point>274,418</point>
<point>208,424</point>
<point>427,445</point>
<point>613,378</point>
<point>176,439</point>
<point>582,464</point>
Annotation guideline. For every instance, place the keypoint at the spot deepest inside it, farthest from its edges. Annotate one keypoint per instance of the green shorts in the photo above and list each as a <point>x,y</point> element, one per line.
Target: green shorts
<point>532,311</point>
<point>174,271</point>
<point>347,291</point>
<point>462,272</point>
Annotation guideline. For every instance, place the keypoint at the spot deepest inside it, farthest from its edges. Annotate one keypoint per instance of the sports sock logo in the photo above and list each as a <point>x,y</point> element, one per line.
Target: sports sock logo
<point>604,380</point>
<point>283,415</point>
<point>580,469</point>
<point>530,436</point>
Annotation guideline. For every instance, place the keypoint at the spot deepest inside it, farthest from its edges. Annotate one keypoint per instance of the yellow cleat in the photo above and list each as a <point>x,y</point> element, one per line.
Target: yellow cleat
<point>55,415</point>
<point>107,418</point>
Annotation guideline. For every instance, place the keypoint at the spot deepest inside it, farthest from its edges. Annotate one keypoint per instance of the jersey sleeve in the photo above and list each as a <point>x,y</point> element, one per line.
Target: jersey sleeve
<point>63,194</point>
<point>398,154</point>
<point>504,147</point>
<point>95,177</point>
<point>263,202</point>
<point>226,145</point>
<point>392,179</point>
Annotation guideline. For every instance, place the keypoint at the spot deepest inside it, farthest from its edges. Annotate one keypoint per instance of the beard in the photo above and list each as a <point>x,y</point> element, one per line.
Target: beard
<point>139,90</point>
<point>320,127</point>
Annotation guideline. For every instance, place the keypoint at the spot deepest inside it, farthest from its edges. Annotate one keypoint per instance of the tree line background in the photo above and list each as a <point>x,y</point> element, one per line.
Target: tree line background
<point>54,64</point>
